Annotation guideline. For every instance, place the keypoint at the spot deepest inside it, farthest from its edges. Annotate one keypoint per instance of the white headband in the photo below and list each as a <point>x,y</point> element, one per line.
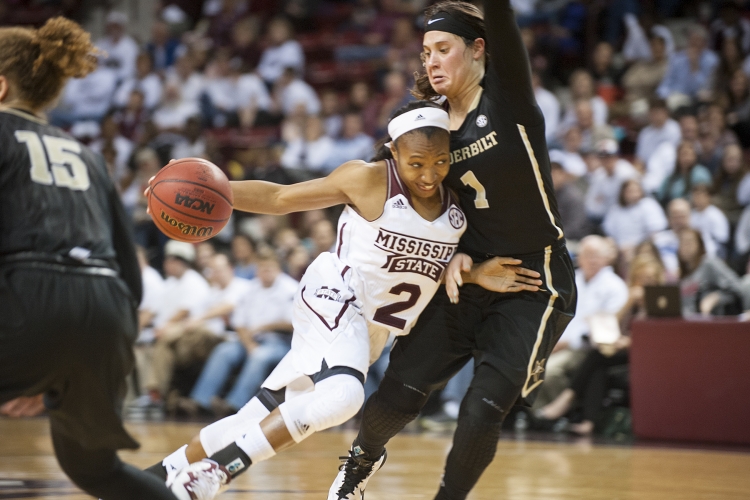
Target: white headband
<point>418,118</point>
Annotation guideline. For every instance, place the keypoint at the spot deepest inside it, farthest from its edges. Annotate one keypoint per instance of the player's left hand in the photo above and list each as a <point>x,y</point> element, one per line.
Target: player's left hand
<point>23,407</point>
<point>499,274</point>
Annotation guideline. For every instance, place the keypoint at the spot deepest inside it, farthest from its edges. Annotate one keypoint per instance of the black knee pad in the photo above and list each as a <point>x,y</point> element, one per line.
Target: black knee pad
<point>490,396</point>
<point>401,397</point>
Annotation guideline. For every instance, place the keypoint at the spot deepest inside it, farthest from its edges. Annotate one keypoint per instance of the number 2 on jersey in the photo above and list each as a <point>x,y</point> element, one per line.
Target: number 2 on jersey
<point>385,314</point>
<point>63,153</point>
<point>469,179</point>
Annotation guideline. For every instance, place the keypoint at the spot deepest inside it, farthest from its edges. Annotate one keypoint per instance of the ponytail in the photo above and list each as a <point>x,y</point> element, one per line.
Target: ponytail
<point>39,62</point>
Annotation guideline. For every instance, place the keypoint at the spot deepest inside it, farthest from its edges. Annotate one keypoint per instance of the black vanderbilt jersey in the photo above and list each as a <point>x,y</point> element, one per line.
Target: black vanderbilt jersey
<point>499,159</point>
<point>57,199</point>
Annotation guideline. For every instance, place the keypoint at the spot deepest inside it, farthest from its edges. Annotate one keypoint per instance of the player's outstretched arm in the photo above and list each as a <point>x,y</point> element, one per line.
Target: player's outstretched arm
<point>344,185</point>
<point>499,274</point>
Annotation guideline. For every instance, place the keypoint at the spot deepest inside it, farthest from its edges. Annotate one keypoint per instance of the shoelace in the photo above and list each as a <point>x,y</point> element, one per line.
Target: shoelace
<point>355,471</point>
<point>205,484</point>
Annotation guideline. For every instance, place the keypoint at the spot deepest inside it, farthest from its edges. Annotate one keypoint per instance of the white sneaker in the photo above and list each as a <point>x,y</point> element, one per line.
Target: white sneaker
<point>200,481</point>
<point>353,476</point>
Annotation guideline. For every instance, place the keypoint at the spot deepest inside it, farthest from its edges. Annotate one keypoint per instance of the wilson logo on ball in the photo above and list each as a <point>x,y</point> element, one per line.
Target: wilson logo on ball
<point>187,229</point>
<point>194,203</point>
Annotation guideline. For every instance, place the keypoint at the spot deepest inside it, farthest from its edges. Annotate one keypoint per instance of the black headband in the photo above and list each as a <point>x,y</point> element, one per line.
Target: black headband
<point>443,21</point>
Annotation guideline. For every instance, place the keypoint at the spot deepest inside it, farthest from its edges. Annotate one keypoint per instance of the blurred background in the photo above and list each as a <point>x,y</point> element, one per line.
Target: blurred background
<point>647,108</point>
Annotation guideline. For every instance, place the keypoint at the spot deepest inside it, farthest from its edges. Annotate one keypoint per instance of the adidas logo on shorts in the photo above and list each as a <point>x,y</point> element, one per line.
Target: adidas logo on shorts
<point>399,204</point>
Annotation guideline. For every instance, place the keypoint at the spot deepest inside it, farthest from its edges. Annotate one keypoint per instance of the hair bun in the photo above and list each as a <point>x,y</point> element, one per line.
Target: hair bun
<point>64,44</point>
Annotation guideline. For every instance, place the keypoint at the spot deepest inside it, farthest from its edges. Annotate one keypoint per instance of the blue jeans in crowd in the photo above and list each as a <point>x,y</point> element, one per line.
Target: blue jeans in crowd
<point>256,366</point>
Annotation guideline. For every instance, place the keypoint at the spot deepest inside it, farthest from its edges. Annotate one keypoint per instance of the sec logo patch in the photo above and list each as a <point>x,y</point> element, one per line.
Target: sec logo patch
<point>481,121</point>
<point>456,217</point>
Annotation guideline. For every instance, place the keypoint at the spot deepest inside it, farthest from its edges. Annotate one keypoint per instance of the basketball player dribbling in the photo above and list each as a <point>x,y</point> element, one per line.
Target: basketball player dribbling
<point>396,237</point>
<point>501,174</point>
<point>69,277</point>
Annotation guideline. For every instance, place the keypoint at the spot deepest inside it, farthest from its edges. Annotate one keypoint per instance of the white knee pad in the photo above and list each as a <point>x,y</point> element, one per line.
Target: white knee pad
<point>226,431</point>
<point>334,401</point>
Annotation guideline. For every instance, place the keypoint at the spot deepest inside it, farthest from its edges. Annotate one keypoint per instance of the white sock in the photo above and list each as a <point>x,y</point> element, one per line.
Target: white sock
<point>175,462</point>
<point>255,444</point>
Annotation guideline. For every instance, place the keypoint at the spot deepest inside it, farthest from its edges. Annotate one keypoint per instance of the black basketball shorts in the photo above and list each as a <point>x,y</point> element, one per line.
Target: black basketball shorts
<point>512,332</point>
<point>69,336</point>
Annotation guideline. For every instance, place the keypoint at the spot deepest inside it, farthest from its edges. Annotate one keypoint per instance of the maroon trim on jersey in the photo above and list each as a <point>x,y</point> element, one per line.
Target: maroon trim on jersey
<point>447,198</point>
<point>395,186</point>
<point>341,240</point>
<point>322,319</point>
<point>343,273</point>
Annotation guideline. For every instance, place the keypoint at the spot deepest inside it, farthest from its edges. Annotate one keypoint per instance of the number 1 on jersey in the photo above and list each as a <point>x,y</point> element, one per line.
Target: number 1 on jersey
<point>469,179</point>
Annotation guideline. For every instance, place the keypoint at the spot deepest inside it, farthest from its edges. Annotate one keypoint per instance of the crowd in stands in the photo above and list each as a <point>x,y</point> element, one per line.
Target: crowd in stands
<point>647,110</point>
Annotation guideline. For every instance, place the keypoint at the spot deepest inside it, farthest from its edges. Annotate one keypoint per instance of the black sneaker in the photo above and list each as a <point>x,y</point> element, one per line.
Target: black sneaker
<point>353,475</point>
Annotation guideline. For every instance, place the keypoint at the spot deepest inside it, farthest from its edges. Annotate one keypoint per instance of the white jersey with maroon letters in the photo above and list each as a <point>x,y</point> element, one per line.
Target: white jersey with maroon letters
<point>382,276</point>
<point>399,258</point>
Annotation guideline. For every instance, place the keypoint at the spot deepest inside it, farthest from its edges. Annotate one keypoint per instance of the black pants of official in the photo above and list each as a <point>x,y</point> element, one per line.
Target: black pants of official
<point>508,335</point>
<point>67,333</point>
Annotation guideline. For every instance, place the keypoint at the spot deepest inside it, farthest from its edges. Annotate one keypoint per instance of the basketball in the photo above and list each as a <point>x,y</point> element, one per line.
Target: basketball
<point>190,200</point>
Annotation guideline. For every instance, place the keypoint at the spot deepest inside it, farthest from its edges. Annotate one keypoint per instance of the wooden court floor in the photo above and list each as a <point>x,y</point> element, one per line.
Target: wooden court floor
<point>522,470</point>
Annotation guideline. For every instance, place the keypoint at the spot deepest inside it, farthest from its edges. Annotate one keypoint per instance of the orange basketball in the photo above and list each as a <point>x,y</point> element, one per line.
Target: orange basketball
<point>190,200</point>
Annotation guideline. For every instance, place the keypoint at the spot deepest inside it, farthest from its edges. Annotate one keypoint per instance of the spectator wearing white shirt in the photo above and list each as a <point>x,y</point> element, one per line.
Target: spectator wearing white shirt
<point>183,76</point>
<point>123,147</point>
<point>295,97</point>
<point>184,297</point>
<point>194,144</point>
<point>659,167</point>
<point>310,149</point>
<point>708,219</point>
<point>634,218</point>
<point>667,241</point>
<point>550,106</point>
<point>173,113</point>
<point>570,155</point>
<point>227,290</point>
<point>219,103</point>
<point>661,129</point>
<point>253,100</point>
<point>570,202</point>
<point>153,289</point>
<point>582,87</point>
<point>120,48</point>
<point>263,320</point>
<point>605,181</point>
<point>87,98</point>
<point>591,133</point>
<point>283,52</point>
<point>600,291</point>
<point>144,80</point>
<point>353,144</point>
<point>742,237</point>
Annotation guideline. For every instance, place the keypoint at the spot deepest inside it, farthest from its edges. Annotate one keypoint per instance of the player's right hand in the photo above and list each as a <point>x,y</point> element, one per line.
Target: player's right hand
<point>23,407</point>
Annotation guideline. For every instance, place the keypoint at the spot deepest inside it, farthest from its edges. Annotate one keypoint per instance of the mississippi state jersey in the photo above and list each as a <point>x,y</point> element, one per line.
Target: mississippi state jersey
<point>57,199</point>
<point>398,259</point>
<point>499,160</point>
